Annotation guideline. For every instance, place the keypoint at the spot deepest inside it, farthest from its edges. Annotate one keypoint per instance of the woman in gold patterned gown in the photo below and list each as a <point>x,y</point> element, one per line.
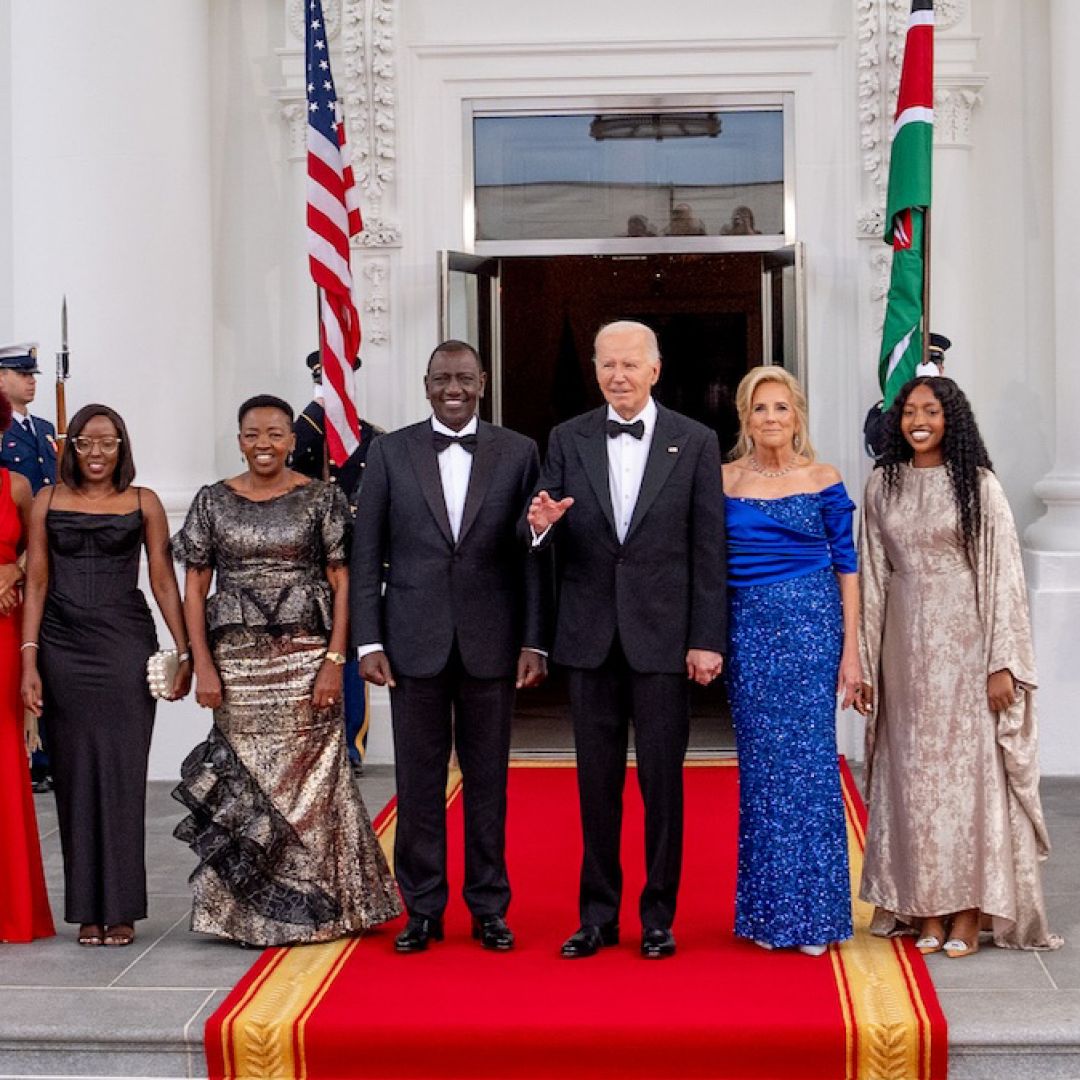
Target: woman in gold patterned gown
<point>286,851</point>
<point>956,830</point>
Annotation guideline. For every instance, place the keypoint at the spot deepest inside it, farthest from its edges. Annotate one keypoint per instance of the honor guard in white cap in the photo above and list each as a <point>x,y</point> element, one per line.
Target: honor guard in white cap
<point>29,444</point>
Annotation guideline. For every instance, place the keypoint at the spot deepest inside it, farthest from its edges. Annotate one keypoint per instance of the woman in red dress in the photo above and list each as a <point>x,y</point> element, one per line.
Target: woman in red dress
<point>24,904</point>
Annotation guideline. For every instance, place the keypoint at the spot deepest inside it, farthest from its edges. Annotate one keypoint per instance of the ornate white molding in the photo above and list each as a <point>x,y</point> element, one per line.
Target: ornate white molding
<point>955,99</point>
<point>376,302</point>
<point>296,12</point>
<point>948,13</point>
<point>370,103</point>
<point>294,113</point>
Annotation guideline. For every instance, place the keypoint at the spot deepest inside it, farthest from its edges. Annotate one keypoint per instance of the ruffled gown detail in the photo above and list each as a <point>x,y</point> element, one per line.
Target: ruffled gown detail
<point>786,637</point>
<point>287,853</point>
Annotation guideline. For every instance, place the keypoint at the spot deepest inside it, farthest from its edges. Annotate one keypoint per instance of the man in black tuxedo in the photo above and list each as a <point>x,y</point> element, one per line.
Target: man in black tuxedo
<point>447,611</point>
<point>642,610</point>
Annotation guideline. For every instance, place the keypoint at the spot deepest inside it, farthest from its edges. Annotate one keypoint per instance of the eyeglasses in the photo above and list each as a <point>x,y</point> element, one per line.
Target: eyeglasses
<point>107,444</point>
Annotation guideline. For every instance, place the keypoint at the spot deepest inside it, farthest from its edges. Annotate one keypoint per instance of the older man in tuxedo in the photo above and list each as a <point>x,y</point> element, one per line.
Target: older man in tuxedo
<point>447,610</point>
<point>632,500</point>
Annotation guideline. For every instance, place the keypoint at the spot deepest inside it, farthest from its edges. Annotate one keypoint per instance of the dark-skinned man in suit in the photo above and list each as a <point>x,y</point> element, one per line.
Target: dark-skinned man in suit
<point>447,610</point>
<point>631,498</point>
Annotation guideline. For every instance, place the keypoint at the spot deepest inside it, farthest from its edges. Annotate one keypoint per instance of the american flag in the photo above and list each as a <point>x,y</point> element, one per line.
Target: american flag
<point>333,216</point>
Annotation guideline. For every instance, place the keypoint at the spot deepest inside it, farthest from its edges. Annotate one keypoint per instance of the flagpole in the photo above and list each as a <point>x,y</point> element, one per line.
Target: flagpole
<point>926,287</point>
<point>63,359</point>
<point>322,376</point>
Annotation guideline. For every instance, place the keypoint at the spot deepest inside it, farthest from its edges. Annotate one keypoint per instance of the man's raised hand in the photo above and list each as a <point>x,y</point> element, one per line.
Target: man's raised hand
<point>544,511</point>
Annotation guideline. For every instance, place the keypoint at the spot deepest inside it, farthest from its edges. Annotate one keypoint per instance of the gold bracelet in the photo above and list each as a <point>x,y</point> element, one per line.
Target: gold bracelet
<point>336,658</point>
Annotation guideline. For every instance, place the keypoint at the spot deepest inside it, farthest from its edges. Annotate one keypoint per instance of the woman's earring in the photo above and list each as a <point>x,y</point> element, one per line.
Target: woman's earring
<point>289,459</point>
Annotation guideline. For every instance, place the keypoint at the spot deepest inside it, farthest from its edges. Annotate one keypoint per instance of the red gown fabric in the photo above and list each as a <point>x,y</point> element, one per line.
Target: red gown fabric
<point>24,903</point>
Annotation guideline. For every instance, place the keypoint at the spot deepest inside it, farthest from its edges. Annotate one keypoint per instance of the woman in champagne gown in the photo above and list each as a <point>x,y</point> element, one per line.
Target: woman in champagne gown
<point>24,903</point>
<point>956,830</point>
<point>287,854</point>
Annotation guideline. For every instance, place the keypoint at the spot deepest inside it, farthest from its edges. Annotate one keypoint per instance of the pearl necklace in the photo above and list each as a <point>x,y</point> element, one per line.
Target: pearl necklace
<point>772,474</point>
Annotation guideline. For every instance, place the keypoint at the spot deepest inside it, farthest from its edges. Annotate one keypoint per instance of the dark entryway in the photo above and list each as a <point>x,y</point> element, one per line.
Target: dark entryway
<point>707,311</point>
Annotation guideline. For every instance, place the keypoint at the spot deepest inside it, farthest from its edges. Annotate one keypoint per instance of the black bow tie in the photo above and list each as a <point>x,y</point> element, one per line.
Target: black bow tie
<point>636,429</point>
<point>442,441</point>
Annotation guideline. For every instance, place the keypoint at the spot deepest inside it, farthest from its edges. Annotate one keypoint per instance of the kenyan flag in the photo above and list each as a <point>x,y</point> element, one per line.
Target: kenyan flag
<point>908,201</point>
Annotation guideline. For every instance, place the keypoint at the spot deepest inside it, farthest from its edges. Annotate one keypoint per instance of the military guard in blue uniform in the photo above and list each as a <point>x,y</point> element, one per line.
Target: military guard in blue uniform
<point>308,457</point>
<point>28,447</point>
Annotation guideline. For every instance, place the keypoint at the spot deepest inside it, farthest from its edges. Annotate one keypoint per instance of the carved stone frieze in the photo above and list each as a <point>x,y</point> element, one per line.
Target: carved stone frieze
<point>376,302</point>
<point>296,13</point>
<point>948,13</point>
<point>295,115</point>
<point>953,106</point>
<point>378,233</point>
<point>370,103</point>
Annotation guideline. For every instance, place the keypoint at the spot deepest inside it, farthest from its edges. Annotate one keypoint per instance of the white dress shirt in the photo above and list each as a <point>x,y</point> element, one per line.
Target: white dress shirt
<point>455,468</point>
<point>24,420</point>
<point>626,457</point>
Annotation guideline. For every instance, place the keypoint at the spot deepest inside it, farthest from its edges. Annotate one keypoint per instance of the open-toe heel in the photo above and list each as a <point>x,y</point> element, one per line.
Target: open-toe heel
<point>120,935</point>
<point>90,935</point>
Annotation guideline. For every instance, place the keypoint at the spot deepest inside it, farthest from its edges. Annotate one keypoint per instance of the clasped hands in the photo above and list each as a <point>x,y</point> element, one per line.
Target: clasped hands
<point>11,577</point>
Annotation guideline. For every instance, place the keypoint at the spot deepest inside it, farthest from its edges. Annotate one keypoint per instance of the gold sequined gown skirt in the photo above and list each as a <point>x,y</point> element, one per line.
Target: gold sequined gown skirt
<point>286,850</point>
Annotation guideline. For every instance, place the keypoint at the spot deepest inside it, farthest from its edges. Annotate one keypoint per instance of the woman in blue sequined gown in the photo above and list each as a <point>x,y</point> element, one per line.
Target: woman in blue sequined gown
<point>793,598</point>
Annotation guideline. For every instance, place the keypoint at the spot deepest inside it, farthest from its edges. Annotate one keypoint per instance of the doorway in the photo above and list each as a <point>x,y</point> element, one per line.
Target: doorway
<point>534,318</point>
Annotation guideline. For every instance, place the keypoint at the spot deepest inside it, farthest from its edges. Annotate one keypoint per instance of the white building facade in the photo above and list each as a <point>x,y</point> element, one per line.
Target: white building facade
<point>153,171</point>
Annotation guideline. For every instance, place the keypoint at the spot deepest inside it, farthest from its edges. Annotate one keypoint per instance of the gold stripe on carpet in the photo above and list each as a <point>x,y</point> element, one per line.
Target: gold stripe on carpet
<point>260,1029</point>
<point>888,1027</point>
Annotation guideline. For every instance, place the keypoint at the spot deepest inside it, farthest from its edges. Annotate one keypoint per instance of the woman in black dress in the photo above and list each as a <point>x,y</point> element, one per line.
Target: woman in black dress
<point>87,634</point>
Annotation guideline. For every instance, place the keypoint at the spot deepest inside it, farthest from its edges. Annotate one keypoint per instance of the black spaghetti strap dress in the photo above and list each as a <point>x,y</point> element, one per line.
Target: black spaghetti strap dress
<point>96,636</point>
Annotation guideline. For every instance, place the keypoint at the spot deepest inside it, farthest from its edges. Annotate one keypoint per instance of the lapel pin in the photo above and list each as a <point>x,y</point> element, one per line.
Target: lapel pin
<point>672,449</point>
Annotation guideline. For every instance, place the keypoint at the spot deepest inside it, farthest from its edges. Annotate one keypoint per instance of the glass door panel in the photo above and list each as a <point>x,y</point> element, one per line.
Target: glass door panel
<point>783,303</point>
<point>469,311</point>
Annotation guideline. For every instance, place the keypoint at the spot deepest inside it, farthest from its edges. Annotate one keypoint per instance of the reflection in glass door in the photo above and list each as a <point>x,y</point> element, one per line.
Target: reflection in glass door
<point>783,303</point>
<point>469,311</point>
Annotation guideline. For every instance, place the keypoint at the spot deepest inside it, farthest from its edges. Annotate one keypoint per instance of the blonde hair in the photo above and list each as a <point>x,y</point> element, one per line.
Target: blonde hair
<point>744,399</point>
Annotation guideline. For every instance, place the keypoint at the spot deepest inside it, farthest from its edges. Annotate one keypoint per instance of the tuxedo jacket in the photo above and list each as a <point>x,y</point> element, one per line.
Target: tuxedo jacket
<point>663,589</point>
<point>414,589</point>
<point>34,456</point>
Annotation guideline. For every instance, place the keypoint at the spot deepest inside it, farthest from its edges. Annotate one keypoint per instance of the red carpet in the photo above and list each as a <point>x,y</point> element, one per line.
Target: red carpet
<point>720,1008</point>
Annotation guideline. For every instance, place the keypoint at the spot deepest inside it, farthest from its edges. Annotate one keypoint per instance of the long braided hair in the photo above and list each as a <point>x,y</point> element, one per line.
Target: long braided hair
<point>962,448</point>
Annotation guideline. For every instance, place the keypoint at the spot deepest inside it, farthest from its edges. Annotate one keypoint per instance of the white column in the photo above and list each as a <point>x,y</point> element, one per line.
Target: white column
<point>1052,544</point>
<point>111,205</point>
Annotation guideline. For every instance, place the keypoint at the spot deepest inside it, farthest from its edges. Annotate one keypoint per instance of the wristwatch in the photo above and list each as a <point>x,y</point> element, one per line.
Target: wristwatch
<point>336,658</point>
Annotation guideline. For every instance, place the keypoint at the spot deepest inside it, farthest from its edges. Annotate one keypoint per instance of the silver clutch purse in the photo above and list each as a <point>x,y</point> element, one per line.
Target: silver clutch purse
<point>161,669</point>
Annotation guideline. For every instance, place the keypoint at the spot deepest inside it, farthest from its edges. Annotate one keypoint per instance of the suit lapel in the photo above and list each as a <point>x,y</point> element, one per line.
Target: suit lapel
<point>667,445</point>
<point>483,465</point>
<point>422,452</point>
<point>592,446</point>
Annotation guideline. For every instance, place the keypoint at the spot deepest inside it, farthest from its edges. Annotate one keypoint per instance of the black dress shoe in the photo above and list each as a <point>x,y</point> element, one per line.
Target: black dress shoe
<point>588,940</point>
<point>656,944</point>
<point>492,932</point>
<point>417,933</point>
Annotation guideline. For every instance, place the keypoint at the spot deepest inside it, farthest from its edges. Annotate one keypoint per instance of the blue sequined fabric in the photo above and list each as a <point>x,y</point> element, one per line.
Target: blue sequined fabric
<point>786,637</point>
